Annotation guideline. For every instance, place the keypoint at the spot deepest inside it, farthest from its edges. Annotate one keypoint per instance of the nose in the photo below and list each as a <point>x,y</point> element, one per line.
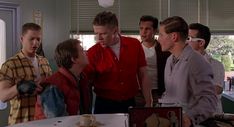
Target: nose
<point>98,37</point>
<point>142,31</point>
<point>36,42</point>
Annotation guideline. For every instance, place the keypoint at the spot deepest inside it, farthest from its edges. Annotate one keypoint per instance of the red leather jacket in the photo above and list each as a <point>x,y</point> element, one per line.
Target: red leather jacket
<point>68,85</point>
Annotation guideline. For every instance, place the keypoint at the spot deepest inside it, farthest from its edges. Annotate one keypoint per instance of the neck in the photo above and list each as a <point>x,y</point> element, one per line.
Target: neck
<point>178,49</point>
<point>28,54</point>
<point>149,44</point>
<point>115,40</point>
<point>202,51</point>
<point>75,72</point>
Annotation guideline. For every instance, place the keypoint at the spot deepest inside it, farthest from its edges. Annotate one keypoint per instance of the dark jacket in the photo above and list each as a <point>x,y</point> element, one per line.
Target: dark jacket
<point>161,63</point>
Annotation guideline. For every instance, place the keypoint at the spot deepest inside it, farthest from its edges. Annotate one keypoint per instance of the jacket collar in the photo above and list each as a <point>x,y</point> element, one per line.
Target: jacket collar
<point>68,75</point>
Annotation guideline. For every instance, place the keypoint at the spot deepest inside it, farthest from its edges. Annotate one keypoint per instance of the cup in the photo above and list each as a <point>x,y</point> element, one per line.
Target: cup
<point>87,120</point>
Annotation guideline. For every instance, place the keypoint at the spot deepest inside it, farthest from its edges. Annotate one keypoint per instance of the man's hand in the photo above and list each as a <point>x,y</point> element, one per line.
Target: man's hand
<point>186,121</point>
<point>149,103</point>
<point>39,87</point>
<point>25,87</point>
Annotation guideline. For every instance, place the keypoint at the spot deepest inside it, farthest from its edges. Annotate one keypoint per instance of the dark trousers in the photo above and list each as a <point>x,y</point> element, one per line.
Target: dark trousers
<point>103,105</point>
<point>140,100</point>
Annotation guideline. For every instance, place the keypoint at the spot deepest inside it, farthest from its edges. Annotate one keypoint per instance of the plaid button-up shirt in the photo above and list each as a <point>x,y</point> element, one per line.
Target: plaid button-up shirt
<point>19,68</point>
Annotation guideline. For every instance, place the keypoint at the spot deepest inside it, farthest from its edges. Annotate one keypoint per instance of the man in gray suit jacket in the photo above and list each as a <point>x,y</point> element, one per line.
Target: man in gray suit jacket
<point>188,77</point>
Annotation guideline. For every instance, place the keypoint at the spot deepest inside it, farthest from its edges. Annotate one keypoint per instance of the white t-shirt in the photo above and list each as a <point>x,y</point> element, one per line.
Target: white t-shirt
<point>116,49</point>
<point>151,59</point>
<point>36,66</point>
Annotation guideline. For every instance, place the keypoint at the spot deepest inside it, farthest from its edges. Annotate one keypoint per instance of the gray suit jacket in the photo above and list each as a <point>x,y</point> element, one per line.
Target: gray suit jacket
<point>189,83</point>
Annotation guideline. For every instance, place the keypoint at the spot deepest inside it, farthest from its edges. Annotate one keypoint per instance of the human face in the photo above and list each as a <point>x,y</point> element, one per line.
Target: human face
<point>106,35</point>
<point>31,41</point>
<point>82,58</point>
<point>194,42</point>
<point>147,31</point>
<point>165,39</point>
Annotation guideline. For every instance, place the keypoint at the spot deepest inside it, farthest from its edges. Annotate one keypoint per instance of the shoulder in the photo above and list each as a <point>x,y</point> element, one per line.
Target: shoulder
<point>13,61</point>
<point>54,77</point>
<point>214,61</point>
<point>216,64</point>
<point>42,59</point>
<point>129,40</point>
<point>131,44</point>
<point>198,64</point>
<point>95,48</point>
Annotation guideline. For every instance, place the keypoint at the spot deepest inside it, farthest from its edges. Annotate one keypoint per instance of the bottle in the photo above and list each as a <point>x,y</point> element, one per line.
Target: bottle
<point>231,83</point>
<point>226,85</point>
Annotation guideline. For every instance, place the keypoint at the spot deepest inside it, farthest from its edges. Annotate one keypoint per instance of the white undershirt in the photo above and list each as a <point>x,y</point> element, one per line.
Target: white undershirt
<point>151,59</point>
<point>116,49</point>
<point>36,66</point>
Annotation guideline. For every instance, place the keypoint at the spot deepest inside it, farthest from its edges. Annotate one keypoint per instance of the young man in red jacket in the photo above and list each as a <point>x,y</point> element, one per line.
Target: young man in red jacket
<point>116,64</point>
<point>65,92</point>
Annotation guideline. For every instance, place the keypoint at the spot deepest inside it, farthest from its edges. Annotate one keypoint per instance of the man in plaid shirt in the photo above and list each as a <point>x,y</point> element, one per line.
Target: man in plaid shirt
<point>21,74</point>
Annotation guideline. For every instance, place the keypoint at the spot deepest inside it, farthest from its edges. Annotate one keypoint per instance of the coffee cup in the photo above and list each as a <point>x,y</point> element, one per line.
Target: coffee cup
<point>87,120</point>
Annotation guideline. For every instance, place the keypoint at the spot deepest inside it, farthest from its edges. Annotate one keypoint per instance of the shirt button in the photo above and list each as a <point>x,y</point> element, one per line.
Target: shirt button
<point>121,83</point>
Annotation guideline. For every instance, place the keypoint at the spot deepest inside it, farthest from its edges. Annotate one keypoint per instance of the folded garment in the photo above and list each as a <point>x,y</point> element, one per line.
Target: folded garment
<point>52,101</point>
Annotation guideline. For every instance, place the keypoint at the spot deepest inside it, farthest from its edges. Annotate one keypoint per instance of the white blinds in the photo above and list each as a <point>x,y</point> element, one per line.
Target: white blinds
<point>188,9</point>
<point>86,10</point>
<point>217,14</point>
<point>132,10</point>
<point>221,15</point>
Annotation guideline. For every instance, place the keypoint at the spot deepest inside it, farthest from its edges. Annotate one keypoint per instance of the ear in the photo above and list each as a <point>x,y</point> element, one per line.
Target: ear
<point>73,60</point>
<point>174,36</point>
<point>21,39</point>
<point>116,30</point>
<point>202,43</point>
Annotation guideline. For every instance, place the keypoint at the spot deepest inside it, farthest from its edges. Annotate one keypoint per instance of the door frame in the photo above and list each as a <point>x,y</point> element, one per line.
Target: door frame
<point>14,9</point>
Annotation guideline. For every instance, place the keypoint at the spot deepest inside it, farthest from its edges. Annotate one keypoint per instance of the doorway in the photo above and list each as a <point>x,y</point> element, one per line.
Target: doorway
<point>9,17</point>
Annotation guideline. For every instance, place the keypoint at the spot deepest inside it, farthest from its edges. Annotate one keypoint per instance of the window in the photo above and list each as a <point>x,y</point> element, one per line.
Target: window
<point>2,42</point>
<point>221,47</point>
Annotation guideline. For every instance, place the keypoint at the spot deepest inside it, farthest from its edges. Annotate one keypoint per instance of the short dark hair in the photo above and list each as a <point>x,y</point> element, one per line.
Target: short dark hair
<point>149,18</point>
<point>203,32</point>
<point>176,24</point>
<point>30,26</point>
<point>106,18</point>
<point>65,51</point>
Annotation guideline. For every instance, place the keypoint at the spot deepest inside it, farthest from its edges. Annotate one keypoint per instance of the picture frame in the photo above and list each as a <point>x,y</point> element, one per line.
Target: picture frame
<point>155,117</point>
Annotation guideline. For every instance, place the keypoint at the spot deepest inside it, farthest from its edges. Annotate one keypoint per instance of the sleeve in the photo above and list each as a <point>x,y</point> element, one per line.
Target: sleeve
<point>203,100</point>
<point>6,73</point>
<point>85,96</point>
<point>141,56</point>
<point>52,101</point>
<point>219,75</point>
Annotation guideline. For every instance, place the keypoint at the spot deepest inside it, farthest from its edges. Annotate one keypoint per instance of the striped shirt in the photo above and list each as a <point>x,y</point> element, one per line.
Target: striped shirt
<point>18,68</point>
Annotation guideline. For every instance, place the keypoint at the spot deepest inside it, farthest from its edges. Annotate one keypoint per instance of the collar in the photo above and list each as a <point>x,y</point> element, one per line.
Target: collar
<point>74,79</point>
<point>22,56</point>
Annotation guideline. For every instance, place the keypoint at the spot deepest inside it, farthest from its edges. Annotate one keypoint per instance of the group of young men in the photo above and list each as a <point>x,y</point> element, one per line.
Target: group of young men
<point>117,67</point>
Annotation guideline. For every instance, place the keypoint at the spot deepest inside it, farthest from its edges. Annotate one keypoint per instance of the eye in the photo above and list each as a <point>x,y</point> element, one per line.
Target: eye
<point>189,39</point>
